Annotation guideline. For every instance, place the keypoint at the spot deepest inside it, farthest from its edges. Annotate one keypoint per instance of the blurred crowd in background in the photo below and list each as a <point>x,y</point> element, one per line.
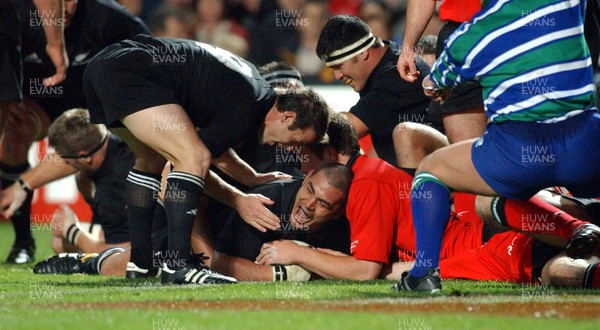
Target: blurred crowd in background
<point>269,30</point>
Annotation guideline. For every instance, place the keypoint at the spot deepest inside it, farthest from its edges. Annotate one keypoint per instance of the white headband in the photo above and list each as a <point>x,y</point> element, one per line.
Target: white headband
<point>283,77</point>
<point>338,56</point>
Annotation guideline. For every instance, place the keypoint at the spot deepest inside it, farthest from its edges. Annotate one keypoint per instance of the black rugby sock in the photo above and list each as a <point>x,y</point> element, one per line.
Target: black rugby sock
<point>142,193</point>
<point>181,203</point>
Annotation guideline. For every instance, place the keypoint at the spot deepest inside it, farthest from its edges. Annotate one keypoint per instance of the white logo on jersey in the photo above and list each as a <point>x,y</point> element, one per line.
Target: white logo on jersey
<point>510,247</point>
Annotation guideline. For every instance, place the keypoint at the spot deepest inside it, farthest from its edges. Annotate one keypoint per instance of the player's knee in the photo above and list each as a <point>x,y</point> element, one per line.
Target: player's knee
<point>429,164</point>
<point>200,161</point>
<point>58,221</point>
<point>196,161</point>
<point>405,135</point>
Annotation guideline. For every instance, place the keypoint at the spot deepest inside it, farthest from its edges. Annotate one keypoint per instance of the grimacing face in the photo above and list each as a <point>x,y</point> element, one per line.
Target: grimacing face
<point>316,202</point>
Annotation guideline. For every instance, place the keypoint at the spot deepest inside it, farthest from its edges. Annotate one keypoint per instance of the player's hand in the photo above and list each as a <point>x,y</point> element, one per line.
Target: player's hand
<point>58,56</point>
<point>281,252</point>
<point>332,252</point>
<point>11,199</point>
<point>251,208</point>
<point>435,93</point>
<point>406,65</point>
<point>262,178</point>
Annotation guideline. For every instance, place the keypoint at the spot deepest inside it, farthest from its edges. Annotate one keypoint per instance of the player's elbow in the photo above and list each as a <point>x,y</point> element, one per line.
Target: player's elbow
<point>366,271</point>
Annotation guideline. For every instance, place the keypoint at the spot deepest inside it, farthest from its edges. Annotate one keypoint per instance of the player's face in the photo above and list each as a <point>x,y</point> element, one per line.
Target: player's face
<point>352,72</point>
<point>70,6</point>
<point>277,131</point>
<point>81,164</point>
<point>316,202</point>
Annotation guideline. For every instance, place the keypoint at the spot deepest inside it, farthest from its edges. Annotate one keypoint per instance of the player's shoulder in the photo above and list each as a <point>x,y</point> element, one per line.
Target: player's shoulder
<point>279,187</point>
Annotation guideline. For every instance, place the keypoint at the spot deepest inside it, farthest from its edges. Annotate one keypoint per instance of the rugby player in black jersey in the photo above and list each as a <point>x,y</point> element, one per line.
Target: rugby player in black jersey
<point>155,93</point>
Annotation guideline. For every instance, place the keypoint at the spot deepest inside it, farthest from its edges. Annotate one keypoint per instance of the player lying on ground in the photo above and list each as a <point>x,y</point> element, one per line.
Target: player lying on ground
<point>311,211</point>
<point>515,257</point>
<point>304,206</point>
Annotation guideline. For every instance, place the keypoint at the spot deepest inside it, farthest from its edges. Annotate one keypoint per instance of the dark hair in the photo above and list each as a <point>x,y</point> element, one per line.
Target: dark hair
<point>341,31</point>
<point>341,136</point>
<point>311,109</point>
<point>338,176</point>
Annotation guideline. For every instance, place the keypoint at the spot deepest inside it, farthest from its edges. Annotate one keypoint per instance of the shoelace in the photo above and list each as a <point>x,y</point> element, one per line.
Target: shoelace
<point>197,259</point>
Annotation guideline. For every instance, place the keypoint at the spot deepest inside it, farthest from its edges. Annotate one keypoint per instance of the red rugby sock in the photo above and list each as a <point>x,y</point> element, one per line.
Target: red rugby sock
<point>535,216</point>
<point>592,277</point>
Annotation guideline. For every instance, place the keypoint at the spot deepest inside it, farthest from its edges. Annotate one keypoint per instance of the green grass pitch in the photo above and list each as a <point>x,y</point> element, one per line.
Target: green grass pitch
<point>29,301</point>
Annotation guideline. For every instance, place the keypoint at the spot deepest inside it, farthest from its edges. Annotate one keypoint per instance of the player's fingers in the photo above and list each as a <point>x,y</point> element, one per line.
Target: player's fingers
<point>282,176</point>
<point>11,210</point>
<point>266,258</point>
<point>267,224</point>
<point>403,70</point>
<point>55,79</point>
<point>267,219</point>
<point>258,226</point>
<point>412,69</point>
<point>265,200</point>
<point>265,246</point>
<point>260,259</point>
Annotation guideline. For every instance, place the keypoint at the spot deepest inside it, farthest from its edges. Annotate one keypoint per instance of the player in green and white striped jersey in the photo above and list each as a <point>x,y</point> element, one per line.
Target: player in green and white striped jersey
<point>532,61</point>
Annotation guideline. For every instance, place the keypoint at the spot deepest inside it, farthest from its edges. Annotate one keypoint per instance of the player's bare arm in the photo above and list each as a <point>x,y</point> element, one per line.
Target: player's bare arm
<point>231,164</point>
<point>240,268</point>
<point>55,46</point>
<point>50,169</point>
<point>418,14</point>
<point>326,265</point>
